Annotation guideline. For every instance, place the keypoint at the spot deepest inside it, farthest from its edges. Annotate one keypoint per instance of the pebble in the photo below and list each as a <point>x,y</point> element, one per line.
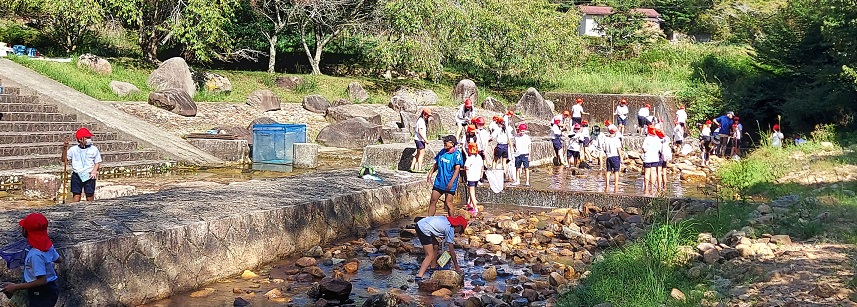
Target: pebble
<point>203,293</point>
<point>248,274</point>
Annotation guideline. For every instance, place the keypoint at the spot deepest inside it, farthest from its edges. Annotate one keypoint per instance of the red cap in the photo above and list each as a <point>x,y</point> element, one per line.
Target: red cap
<point>497,118</point>
<point>510,113</point>
<point>427,111</point>
<point>472,148</point>
<point>651,130</point>
<point>659,133</point>
<point>607,122</point>
<point>36,226</point>
<point>557,121</point>
<point>576,126</point>
<point>612,129</point>
<point>623,101</point>
<point>82,133</point>
<point>522,127</point>
<point>585,122</point>
<point>457,221</point>
<point>471,128</point>
<point>579,100</point>
<point>479,120</point>
<point>648,105</point>
<point>776,127</point>
<point>566,113</point>
<point>468,103</point>
<point>681,107</point>
<point>708,122</point>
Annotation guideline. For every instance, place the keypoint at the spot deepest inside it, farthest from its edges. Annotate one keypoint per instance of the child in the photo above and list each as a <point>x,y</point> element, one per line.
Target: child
<point>420,138</point>
<point>651,160</point>
<point>681,119</point>
<point>666,156</point>
<point>737,130</point>
<point>448,162</point>
<point>777,137</point>
<point>622,114</point>
<point>612,147</point>
<point>556,132</point>
<point>85,159</point>
<point>587,138</point>
<point>473,166</point>
<point>678,136</point>
<point>705,141</point>
<point>522,149</point>
<point>501,136</point>
<point>643,119</point>
<point>574,141</point>
<point>482,138</point>
<point>432,228</point>
<point>464,116</point>
<point>577,111</point>
<point>39,275</point>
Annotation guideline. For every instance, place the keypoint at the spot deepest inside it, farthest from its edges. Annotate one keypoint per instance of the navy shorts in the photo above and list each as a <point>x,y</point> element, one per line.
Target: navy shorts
<point>522,160</point>
<point>573,153</point>
<point>614,164</point>
<point>472,183</point>
<point>44,295</point>
<point>620,121</point>
<point>651,164</point>
<point>577,120</point>
<point>77,186</point>
<point>420,144</point>
<point>663,163</point>
<point>557,144</point>
<point>679,142</point>
<point>501,151</point>
<point>586,142</point>
<point>642,121</point>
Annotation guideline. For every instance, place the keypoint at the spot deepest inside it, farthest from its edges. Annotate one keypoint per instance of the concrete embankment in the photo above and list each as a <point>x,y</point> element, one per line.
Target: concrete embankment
<point>132,250</point>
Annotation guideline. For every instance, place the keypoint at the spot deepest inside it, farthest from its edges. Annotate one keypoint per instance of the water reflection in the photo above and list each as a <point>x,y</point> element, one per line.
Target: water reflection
<point>592,180</point>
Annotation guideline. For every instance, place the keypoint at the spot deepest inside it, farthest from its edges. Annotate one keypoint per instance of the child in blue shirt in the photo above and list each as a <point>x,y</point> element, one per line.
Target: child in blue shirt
<point>39,274</point>
<point>448,163</point>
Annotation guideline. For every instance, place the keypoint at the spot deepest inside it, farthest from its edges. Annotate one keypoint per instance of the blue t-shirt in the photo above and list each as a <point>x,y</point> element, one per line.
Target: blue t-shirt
<point>39,263</point>
<point>725,124</point>
<point>446,163</point>
<point>437,226</point>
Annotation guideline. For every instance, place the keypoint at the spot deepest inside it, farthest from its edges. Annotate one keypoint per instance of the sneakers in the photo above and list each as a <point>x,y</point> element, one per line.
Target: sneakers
<point>515,184</point>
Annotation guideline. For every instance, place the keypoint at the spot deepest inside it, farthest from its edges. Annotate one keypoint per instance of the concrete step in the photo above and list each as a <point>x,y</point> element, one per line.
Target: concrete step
<point>11,178</point>
<point>15,98</point>
<point>56,147</point>
<point>11,90</point>
<point>27,107</point>
<point>50,137</point>
<point>43,126</point>
<point>19,162</point>
<point>36,117</point>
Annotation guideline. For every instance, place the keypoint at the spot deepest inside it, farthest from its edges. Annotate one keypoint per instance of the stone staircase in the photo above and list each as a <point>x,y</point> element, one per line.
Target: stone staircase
<point>32,134</point>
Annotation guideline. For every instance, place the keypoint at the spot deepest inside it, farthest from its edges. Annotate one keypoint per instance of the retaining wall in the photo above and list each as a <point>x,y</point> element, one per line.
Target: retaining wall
<point>575,199</point>
<point>397,156</point>
<point>132,250</point>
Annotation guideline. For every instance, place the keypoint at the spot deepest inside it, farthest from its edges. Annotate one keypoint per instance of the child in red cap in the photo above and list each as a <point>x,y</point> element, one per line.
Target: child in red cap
<point>777,137</point>
<point>577,111</point>
<point>473,167</point>
<point>463,116</point>
<point>39,274</point>
<point>433,231</point>
<point>85,159</point>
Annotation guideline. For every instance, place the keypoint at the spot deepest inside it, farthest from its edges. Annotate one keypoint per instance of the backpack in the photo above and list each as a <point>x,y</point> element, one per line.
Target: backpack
<point>366,170</point>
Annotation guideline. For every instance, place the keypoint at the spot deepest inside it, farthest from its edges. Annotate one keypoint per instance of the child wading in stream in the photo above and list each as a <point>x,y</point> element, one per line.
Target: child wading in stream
<point>612,146</point>
<point>448,162</point>
<point>433,231</point>
<point>651,160</point>
<point>473,167</point>
<point>39,274</point>
<point>522,160</point>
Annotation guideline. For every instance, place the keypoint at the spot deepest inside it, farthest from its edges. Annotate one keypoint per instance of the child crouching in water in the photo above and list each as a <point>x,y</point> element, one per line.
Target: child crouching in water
<point>39,274</point>
<point>473,167</point>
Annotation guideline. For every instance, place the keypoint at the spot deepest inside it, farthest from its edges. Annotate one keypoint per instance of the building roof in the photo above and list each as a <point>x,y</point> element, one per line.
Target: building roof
<point>606,10</point>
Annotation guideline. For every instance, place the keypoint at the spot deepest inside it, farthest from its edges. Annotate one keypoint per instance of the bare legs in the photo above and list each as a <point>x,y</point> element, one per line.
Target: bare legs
<point>435,196</point>
<point>417,161</point>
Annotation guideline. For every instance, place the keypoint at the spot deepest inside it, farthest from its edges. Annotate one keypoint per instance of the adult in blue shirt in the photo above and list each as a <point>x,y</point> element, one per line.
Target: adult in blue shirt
<point>724,123</point>
<point>447,163</point>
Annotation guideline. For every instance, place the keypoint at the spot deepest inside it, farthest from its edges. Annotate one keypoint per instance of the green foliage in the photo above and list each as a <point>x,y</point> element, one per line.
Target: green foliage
<point>683,15</point>
<point>64,22</point>
<point>625,33</point>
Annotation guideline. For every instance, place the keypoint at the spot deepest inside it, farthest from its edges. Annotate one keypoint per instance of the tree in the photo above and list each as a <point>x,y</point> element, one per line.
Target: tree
<point>624,31</point>
<point>319,21</point>
<point>195,24</point>
<point>65,22</point>
<point>276,15</point>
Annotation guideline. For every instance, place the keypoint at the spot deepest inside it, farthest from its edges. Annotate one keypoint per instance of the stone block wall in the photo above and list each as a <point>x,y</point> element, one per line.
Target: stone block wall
<point>567,199</point>
<point>228,150</point>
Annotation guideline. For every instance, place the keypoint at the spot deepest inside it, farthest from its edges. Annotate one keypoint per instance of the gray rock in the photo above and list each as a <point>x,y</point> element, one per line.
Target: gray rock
<point>306,155</point>
<point>357,93</point>
<point>465,89</point>
<point>354,133</point>
<point>114,191</point>
<point>402,104</point>
<point>334,289</point>
<point>532,104</point>
<point>342,113</point>
<point>214,83</point>
<point>289,82</point>
<point>94,63</point>
<point>265,100</point>
<point>173,73</point>
<point>173,100</point>
<point>492,104</point>
<point>711,256</point>
<point>260,121</point>
<point>422,97</point>
<point>40,186</point>
<point>383,263</point>
<point>123,88</point>
<point>316,103</point>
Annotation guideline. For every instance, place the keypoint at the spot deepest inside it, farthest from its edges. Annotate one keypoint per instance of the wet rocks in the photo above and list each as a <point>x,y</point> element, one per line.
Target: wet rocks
<point>331,289</point>
<point>448,278</point>
<point>248,274</point>
<point>383,263</point>
<point>306,262</point>
<point>203,293</point>
<point>490,273</point>
<point>557,279</point>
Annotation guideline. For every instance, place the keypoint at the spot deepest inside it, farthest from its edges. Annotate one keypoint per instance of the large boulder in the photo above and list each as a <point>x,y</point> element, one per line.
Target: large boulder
<point>532,104</point>
<point>261,121</point>
<point>409,120</point>
<point>357,93</point>
<point>536,127</point>
<point>354,133</point>
<point>316,103</point>
<point>94,63</point>
<point>334,289</point>
<point>173,100</point>
<point>123,88</point>
<point>345,112</point>
<point>448,278</point>
<point>422,97</point>
<point>214,83</point>
<point>402,104</point>
<point>173,74</point>
<point>492,104</point>
<point>465,89</point>
<point>265,100</point>
<point>289,82</point>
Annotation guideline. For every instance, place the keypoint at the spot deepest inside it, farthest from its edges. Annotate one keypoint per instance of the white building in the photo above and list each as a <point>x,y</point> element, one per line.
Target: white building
<point>591,14</point>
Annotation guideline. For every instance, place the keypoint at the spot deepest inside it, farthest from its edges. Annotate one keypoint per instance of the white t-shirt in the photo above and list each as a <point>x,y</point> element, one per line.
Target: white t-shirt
<point>681,116</point>
<point>584,131</point>
<point>522,144</point>
<point>738,131</point>
<point>463,116</point>
<point>611,146</point>
<point>473,164</point>
<point>666,149</point>
<point>644,112</point>
<point>706,131</point>
<point>493,126</point>
<point>574,141</point>
<point>556,131</point>
<point>777,139</point>
<point>651,149</point>
<point>500,136</point>
<point>622,111</point>
<point>577,110</point>
<point>83,160</point>
<point>678,133</point>
<point>420,127</point>
<point>482,138</point>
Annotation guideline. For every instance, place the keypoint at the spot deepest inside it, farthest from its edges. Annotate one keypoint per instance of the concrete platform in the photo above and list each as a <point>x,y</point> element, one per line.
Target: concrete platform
<point>132,250</point>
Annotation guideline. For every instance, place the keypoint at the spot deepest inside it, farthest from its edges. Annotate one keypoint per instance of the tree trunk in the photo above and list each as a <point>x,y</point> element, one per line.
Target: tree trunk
<point>316,60</point>
<point>272,61</point>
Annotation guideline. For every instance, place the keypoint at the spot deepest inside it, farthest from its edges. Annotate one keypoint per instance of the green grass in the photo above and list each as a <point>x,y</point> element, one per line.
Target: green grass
<point>640,274</point>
